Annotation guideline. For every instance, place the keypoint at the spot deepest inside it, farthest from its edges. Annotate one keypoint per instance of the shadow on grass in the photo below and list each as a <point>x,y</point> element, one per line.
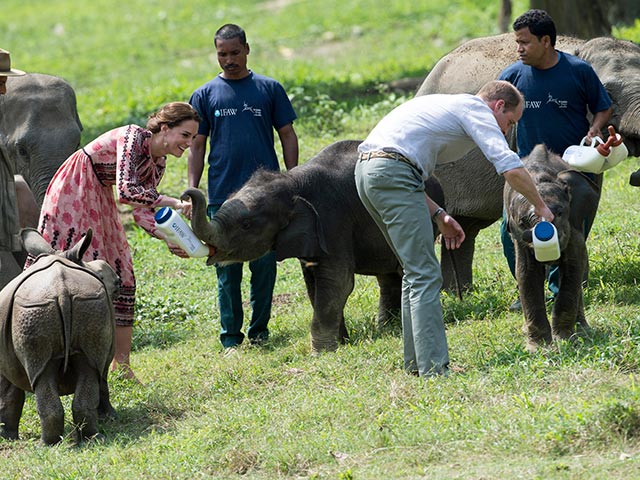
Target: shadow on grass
<point>476,304</point>
<point>595,346</point>
<point>615,281</point>
<point>146,416</point>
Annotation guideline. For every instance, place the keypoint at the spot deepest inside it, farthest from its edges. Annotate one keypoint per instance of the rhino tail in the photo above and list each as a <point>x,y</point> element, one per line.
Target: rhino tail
<point>65,305</point>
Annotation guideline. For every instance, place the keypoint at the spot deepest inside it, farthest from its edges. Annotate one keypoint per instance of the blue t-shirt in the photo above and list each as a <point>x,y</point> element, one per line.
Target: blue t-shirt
<point>556,101</point>
<point>239,117</point>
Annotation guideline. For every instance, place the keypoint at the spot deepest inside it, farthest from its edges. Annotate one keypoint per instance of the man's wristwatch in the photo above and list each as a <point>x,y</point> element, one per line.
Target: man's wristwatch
<point>438,211</point>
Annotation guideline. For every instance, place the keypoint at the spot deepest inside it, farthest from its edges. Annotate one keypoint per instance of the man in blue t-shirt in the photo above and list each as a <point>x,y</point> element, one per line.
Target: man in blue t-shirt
<point>239,110</point>
<point>560,90</point>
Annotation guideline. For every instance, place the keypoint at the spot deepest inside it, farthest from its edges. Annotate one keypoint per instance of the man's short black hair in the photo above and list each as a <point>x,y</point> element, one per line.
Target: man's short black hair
<point>228,32</point>
<point>539,23</point>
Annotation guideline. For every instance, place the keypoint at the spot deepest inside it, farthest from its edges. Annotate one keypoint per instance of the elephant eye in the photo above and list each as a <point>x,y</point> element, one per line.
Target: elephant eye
<point>21,149</point>
<point>246,224</point>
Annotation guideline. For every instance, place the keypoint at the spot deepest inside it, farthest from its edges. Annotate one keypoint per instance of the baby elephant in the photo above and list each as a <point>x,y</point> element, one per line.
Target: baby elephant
<point>573,198</point>
<point>57,338</point>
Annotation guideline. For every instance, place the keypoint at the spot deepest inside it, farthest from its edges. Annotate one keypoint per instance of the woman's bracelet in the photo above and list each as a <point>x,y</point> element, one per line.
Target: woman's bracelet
<point>438,211</point>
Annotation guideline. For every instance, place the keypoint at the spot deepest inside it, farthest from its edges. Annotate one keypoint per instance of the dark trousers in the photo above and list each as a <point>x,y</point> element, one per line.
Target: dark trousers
<point>263,279</point>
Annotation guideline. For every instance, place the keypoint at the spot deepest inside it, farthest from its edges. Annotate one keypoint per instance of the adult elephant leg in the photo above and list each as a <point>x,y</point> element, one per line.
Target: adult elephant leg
<point>333,283</point>
<point>457,265</point>
<point>48,404</point>
<point>11,403</point>
<point>9,268</point>
<point>390,301</point>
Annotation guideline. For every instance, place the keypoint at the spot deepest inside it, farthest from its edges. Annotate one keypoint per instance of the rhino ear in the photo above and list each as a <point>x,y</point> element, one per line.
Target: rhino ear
<point>77,251</point>
<point>33,242</point>
<point>303,237</point>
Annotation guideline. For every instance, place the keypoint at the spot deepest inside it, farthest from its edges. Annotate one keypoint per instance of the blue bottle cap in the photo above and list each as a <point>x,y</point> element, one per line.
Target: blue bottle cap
<point>162,215</point>
<point>543,231</point>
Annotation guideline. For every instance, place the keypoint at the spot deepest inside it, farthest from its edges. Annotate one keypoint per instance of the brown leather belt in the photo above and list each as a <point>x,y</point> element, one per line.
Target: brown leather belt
<point>391,155</point>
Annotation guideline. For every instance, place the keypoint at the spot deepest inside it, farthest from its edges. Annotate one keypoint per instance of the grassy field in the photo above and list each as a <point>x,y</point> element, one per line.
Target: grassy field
<point>567,412</point>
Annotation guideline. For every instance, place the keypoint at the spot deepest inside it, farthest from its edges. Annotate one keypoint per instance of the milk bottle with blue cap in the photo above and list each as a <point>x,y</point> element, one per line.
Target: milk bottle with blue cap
<point>178,232</point>
<point>546,245</point>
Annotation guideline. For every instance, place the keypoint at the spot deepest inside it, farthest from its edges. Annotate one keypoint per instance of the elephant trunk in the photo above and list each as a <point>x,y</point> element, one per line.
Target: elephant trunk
<point>203,229</point>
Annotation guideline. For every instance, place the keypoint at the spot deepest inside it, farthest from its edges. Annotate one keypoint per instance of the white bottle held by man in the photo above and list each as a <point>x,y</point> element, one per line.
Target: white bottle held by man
<point>177,231</point>
<point>546,244</point>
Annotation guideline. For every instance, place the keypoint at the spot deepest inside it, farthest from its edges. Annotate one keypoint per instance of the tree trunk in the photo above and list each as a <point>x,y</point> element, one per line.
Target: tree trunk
<point>504,20</point>
<point>579,18</point>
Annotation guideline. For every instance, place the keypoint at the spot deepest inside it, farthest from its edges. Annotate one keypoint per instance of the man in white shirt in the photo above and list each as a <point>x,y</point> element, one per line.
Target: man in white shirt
<point>395,159</point>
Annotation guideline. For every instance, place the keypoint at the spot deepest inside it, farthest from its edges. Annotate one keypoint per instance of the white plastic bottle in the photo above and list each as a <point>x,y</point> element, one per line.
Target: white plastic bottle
<point>585,158</point>
<point>546,245</point>
<point>178,232</point>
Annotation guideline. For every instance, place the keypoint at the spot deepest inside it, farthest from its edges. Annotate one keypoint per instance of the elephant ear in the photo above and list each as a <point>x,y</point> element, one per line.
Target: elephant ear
<point>585,196</point>
<point>303,237</point>
<point>33,242</point>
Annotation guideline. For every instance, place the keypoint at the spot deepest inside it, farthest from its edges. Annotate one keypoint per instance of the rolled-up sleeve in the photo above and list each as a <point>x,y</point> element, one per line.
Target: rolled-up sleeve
<point>482,127</point>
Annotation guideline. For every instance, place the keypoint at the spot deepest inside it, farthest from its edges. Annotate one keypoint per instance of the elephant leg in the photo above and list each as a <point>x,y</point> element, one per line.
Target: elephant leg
<point>9,268</point>
<point>308,273</point>
<point>86,398</point>
<point>11,403</point>
<point>48,404</point>
<point>390,301</point>
<point>567,307</point>
<point>530,276</point>
<point>333,284</point>
<point>582,326</point>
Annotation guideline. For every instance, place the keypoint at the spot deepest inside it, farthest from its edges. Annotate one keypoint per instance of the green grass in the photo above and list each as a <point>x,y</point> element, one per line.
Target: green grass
<point>567,412</point>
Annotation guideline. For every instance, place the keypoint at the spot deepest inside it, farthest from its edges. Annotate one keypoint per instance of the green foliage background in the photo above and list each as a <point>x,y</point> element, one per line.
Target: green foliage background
<point>571,411</point>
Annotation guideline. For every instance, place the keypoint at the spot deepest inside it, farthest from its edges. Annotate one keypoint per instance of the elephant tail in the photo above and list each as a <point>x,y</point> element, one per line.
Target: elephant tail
<point>456,276</point>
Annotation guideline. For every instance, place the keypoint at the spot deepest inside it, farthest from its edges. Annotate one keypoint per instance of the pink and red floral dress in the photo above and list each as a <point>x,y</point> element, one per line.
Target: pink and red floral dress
<point>81,195</point>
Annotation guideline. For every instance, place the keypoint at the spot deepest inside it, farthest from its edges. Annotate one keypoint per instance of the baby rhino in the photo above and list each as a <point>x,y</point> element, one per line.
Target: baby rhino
<point>57,338</point>
<point>573,198</point>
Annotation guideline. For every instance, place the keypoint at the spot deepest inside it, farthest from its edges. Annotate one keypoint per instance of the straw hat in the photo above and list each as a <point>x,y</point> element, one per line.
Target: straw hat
<point>5,65</point>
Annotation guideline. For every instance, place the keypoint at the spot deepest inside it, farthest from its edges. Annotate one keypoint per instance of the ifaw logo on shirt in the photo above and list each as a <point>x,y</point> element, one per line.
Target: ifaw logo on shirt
<point>560,103</point>
<point>256,111</point>
<point>226,112</point>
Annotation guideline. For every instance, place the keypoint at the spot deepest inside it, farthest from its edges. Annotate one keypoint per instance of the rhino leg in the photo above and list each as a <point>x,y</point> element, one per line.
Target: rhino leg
<point>85,398</point>
<point>105,409</point>
<point>11,403</point>
<point>48,404</point>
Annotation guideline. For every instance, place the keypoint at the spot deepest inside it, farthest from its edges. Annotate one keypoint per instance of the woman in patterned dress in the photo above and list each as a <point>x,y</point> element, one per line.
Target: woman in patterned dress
<point>80,196</point>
